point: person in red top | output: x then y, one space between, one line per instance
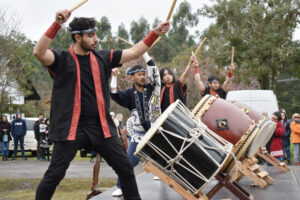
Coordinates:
276 145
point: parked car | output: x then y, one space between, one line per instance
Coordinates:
30 143
260 100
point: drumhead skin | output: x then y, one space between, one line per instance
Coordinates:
252 113
266 129
183 149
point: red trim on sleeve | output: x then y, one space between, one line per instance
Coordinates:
77 99
99 95
111 56
171 94
51 71
162 93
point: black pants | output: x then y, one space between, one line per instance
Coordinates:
89 135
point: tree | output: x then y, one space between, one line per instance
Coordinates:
139 29
261 32
122 33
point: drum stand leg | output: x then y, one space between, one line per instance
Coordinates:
232 186
263 153
250 168
149 167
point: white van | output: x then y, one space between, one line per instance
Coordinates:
260 100
30 143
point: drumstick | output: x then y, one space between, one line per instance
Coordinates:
75 7
232 56
168 18
127 42
48 101
200 46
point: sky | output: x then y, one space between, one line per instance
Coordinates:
37 15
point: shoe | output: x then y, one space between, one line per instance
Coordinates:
91 161
6 158
156 178
24 158
297 163
117 193
3 158
14 159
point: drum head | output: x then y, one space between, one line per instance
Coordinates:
154 128
266 130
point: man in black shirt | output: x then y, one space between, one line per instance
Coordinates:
213 86
81 99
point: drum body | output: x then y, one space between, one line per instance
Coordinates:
228 121
184 148
253 114
266 127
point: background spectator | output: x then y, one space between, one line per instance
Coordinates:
18 131
295 129
286 138
5 137
275 143
37 135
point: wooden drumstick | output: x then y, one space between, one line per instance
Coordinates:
200 46
168 18
232 56
75 7
127 42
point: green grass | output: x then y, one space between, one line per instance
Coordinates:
77 157
24 189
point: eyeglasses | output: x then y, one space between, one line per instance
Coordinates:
296 117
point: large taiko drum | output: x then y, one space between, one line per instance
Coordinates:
184 148
266 127
229 122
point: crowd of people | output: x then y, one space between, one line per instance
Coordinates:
287 131
16 131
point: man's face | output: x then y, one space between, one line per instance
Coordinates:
41 117
88 41
19 116
139 78
214 85
167 77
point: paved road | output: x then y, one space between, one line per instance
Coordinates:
36 169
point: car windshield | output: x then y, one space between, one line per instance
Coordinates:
29 124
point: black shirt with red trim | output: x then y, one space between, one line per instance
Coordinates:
221 93
64 73
179 92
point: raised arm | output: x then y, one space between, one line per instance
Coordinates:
228 79
143 46
199 83
153 74
41 51
192 63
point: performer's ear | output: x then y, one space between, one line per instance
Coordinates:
78 38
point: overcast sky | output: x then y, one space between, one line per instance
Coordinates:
37 15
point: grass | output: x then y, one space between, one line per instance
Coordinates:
77 157
24 189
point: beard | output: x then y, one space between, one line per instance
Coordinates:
85 47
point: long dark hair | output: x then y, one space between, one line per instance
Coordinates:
285 117
278 115
162 71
